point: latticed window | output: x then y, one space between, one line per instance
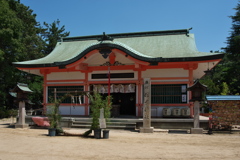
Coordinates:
169 94
62 90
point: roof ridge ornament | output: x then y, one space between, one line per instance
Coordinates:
105 37
116 63
105 52
187 34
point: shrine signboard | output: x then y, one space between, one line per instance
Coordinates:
147 107
102 120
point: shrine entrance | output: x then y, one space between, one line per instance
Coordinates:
126 102
123 98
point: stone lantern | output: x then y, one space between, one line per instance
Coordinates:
198 91
22 91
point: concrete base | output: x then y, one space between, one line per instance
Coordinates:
66 122
21 125
196 131
146 130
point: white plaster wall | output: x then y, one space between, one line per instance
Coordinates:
77 110
199 72
159 73
33 71
65 110
154 111
65 76
95 60
123 59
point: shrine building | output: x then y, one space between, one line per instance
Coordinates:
93 63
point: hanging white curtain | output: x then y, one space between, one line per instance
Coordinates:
95 88
121 88
112 88
132 88
115 88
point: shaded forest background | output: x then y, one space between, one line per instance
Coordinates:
23 38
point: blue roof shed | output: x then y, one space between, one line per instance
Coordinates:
223 97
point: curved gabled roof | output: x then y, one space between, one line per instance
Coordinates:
152 47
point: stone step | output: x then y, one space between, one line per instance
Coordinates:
178 131
110 119
108 123
108 126
121 127
112 125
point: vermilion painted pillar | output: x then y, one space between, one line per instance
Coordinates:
86 88
44 93
190 84
139 85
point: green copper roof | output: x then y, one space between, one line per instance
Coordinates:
23 87
157 46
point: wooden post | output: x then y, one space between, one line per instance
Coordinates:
109 81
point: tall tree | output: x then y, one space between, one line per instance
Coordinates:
215 81
22 38
53 33
233 54
19 40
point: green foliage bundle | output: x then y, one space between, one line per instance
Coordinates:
98 102
54 115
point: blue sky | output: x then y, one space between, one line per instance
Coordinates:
209 18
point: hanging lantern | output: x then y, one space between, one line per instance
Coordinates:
208 72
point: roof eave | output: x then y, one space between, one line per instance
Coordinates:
152 61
